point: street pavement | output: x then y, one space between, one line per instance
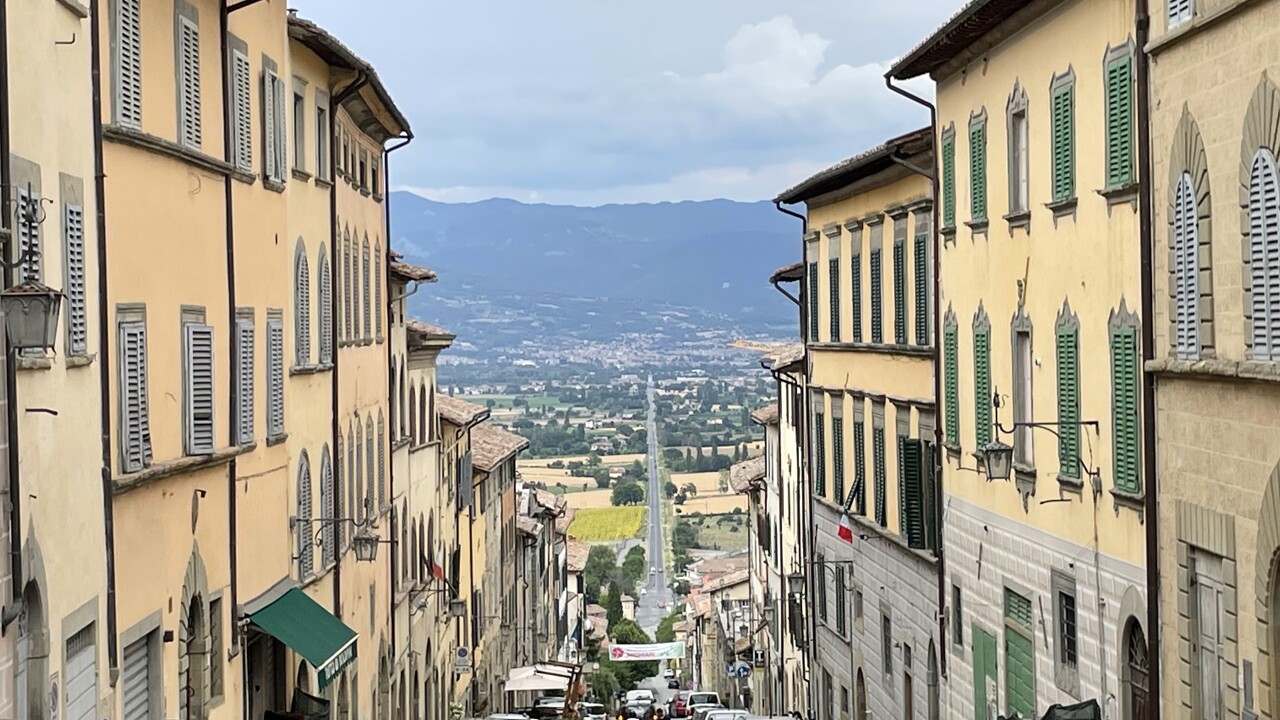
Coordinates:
660 690
648 614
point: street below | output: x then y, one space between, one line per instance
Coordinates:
656 589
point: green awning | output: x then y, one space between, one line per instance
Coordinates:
311 631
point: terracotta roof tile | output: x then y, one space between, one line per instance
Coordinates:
576 555
864 164
529 526
743 474
491 445
788 273
412 272
767 415
460 412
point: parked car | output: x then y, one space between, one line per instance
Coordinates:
640 695
509 716
669 673
673 684
592 711
704 698
696 710
636 709
725 715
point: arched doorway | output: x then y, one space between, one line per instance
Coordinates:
192 663
303 681
33 655
416 696
344 700
860 698
1136 671
934 698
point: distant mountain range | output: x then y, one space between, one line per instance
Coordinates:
511 273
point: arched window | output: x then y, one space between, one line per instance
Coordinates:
1186 271
403 403
1136 673
353 509
378 270
1264 255
421 561
382 461
404 543
347 334
935 702
301 306
413 417
324 296
414 550
305 558
371 475
358 473
366 289
327 510
423 419
431 411
395 397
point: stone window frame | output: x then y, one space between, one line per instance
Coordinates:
1019 215
947 139
1187 158
1211 532
1069 468
854 227
1064 205
1260 131
832 234
1024 473
1065 676
1127 192
886 642
978 223
151 630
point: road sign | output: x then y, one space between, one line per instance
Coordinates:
462 661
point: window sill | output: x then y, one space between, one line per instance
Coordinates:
1062 208
952 450
1217 368
1120 195
1133 501
398 444
885 348
325 183
300 174
978 227
1070 484
79 361
364 192
305 369
377 197
158 471
275 186
1020 219
249 446
76 8
245 176
1024 480
39 362
273 440
378 339
168 148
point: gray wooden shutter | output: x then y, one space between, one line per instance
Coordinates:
325 298
371 472
128 63
368 324
242 78
135 431
189 79
302 310
135 679
382 462
77 319
269 124
199 388
327 510
275 377
1186 272
306 558
29 245
282 142
347 332
244 380
377 291
1264 256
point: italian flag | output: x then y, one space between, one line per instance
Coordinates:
846 528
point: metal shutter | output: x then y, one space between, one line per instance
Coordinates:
306 558
833 281
1063 116
1068 352
275 377
189 83
77 318
855 301
127 59
244 380
302 309
135 681
325 298
877 298
1264 256
242 80
82 676
1120 122
1186 271
135 432
199 388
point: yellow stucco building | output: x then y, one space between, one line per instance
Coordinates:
1040 297
867 313
1215 137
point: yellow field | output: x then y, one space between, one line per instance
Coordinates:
600 524
713 504
708 483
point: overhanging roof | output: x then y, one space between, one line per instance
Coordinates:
864 164
789 273
966 31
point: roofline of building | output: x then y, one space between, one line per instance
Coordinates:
863 165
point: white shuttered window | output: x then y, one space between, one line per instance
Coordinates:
1180 11
327 509
275 376
135 680
1186 271
324 296
189 82
243 124
1264 255
377 290
301 308
73 256
367 289
126 62
244 380
135 422
273 111
306 558
198 386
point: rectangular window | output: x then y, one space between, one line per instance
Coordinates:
957 617
1020 664
833 281
364 169
813 301
322 139
198 386
837 452
857 606
1018 161
275 374
1124 408
244 377
126 62
1205 598
951 383
878 450
1024 453
299 129
948 181
1120 122
273 123
1180 11
841 609
1068 401
1064 141
820 582
859 500
135 422
73 257
215 648
978 170
242 111
886 643
900 290
923 274
375 177
30 248
820 453
915 476
138 684
877 298
1065 620
982 387
855 299
189 80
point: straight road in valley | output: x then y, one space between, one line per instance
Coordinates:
648 614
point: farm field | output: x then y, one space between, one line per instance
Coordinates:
722 532
713 504
708 483
604 460
607 524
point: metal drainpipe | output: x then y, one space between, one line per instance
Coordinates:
336 414
10 374
937 374
1142 26
104 336
237 634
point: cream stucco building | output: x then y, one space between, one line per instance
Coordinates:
1040 296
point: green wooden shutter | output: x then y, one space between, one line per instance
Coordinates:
913 493
949 183
951 380
1020 667
813 302
930 497
837 455
1068 402
878 449
1120 122
877 299
860 467
922 289
984 674
900 293
820 455
834 280
978 171
855 301
820 580
982 387
1064 181
1124 407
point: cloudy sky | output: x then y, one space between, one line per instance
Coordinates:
589 102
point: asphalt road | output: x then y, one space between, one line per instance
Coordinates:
648 614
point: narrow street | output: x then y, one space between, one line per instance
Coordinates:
648 614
